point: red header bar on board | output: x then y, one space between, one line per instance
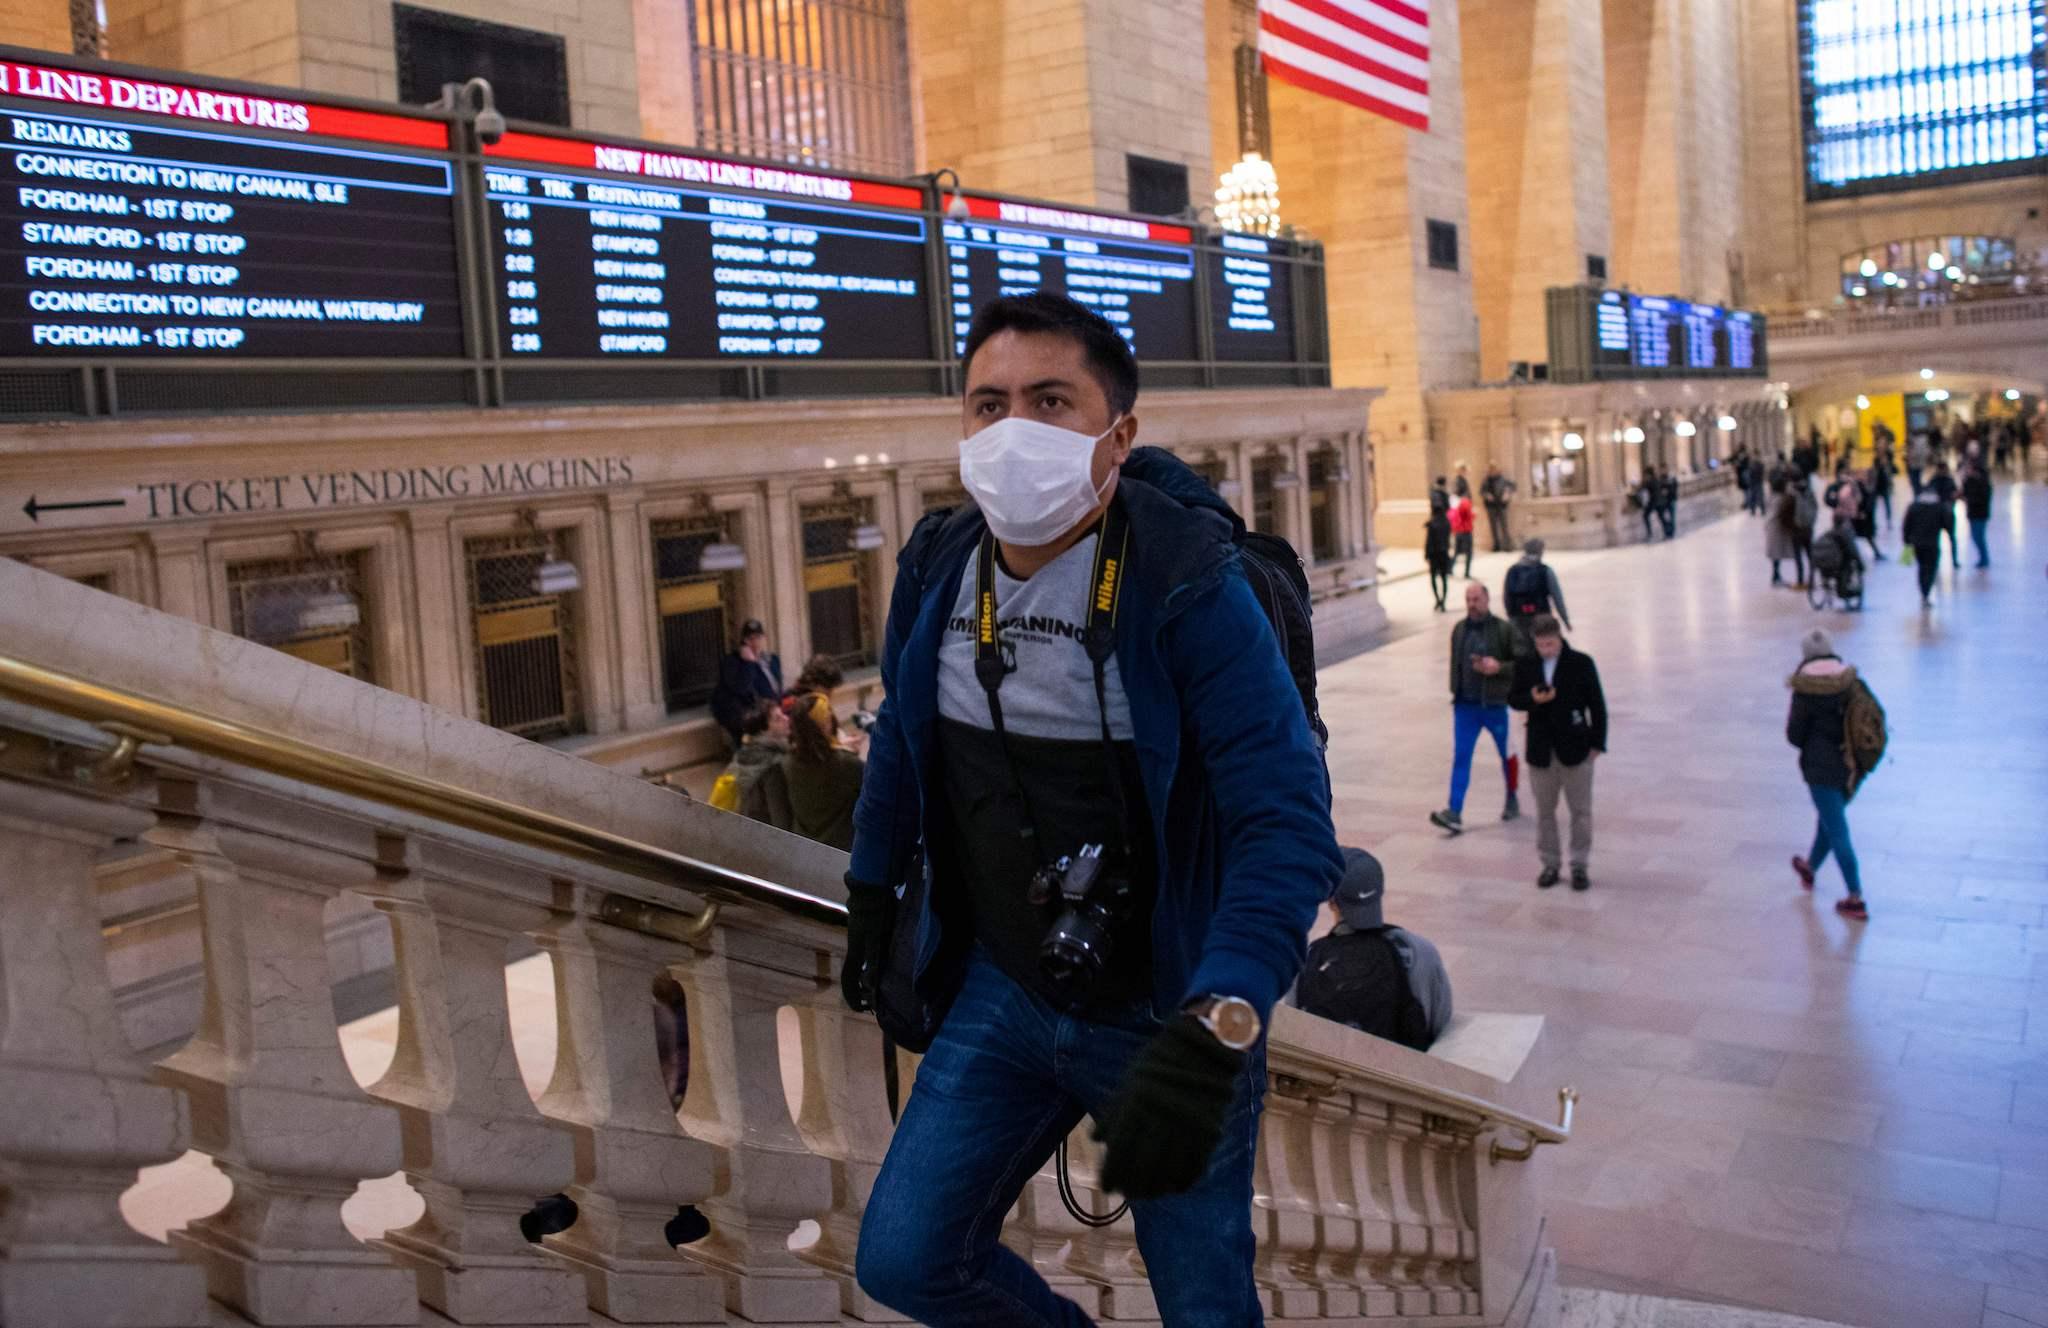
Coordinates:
684 168
1046 216
83 87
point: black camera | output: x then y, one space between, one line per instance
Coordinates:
1093 900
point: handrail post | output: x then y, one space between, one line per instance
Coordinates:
83 1114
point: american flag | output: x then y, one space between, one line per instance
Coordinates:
1370 53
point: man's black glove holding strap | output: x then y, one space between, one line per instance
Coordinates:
1166 1121
870 921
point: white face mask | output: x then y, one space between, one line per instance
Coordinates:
1033 482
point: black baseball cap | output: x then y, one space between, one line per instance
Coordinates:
1359 892
752 627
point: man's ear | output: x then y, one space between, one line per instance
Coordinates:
1123 438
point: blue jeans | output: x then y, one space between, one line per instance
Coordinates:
1831 834
1466 722
1977 532
1007 1078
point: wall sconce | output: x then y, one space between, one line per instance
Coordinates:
722 556
867 538
1685 428
1286 479
1574 442
1632 434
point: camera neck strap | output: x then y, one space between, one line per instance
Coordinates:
1098 637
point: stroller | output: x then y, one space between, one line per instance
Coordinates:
1837 570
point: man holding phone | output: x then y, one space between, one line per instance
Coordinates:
1559 689
1484 649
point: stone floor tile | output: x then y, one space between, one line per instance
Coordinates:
2030 1107
2023 1201
1761 1108
1645 1249
1988 1252
1764 1209
2025 1306
1835 1079
1912 1180
2004 1144
1840 1289
1947 1053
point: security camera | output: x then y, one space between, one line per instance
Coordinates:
490 125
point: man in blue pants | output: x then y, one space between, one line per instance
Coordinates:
1483 653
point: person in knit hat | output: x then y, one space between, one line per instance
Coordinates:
1821 688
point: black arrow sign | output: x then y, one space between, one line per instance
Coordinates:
35 509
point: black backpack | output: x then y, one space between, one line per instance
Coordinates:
1279 581
1357 978
1527 590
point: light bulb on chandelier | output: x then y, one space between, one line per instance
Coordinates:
1248 197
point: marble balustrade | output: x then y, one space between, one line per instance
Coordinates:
1376 1199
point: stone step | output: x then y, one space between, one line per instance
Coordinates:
1582 1307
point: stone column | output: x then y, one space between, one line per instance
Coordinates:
84 1114
182 584
272 1099
476 1148
790 626
633 605
444 611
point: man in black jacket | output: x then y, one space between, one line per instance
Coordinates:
746 677
1559 688
1498 491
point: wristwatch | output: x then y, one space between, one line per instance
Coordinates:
1231 1020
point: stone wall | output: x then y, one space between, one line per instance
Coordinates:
43 24
257 40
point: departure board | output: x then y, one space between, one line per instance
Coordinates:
646 261
1744 342
1612 336
1251 299
1137 273
1603 334
1656 332
172 232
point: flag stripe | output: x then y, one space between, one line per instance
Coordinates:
1340 28
1403 21
1288 73
1277 49
1349 55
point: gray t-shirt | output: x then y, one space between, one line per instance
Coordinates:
1050 690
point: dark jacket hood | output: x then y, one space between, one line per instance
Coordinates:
1181 482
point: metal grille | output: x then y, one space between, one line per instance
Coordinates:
939 500
97 581
32 392
698 609
837 583
1322 508
525 642
1265 498
821 82
288 604
165 393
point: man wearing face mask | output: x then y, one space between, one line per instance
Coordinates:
1092 838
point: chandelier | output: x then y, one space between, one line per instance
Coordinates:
1248 197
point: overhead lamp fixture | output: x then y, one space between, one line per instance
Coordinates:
1248 197
867 538
1859 290
722 556
1726 424
1342 474
956 202
1862 402
329 611
1574 442
2012 394
1955 274
1936 261
1286 479
556 576
1926 374
1868 267
1632 434
1228 489
1685 428
1937 394
1891 278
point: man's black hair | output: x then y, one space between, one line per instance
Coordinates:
1108 354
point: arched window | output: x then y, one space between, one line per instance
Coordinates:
1905 93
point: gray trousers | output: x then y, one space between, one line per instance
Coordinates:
1576 783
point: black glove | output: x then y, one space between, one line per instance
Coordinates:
1165 1122
870 920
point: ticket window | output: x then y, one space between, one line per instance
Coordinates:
698 609
1324 504
1557 469
839 583
311 607
525 637
1266 496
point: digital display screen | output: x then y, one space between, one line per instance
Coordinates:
1251 300
645 262
1741 340
1138 274
120 237
1705 342
1612 333
1656 332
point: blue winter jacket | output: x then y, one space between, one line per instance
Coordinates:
1233 778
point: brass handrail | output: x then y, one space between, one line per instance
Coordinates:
277 754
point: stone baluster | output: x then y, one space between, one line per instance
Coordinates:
634 1164
1283 1213
1445 1158
1039 1230
1387 1239
476 1148
844 1118
1106 1256
272 1099
737 988
1337 1261
1423 1243
84 1114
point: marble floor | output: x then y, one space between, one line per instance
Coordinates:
1780 1108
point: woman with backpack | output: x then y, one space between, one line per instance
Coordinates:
1825 693
1436 552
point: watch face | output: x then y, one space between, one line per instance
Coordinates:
1235 1022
